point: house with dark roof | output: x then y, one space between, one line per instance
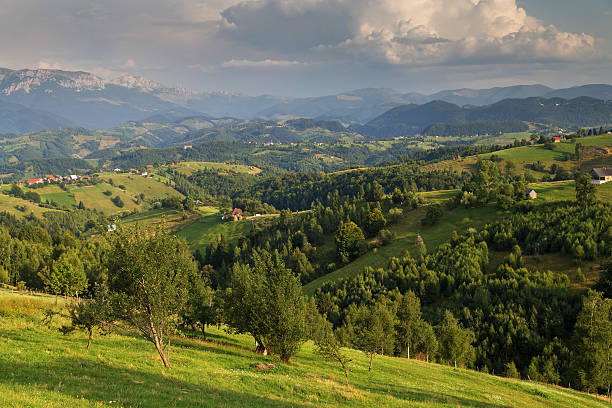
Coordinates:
531 194
601 175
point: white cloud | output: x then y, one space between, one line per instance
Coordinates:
267 63
404 31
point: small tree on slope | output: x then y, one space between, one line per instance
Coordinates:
149 274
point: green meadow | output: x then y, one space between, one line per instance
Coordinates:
40 367
210 226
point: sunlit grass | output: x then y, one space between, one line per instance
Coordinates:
39 367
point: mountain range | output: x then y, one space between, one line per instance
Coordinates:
33 100
412 118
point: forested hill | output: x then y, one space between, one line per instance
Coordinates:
412 119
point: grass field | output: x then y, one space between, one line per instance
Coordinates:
9 204
187 168
210 226
39 367
502 139
406 231
92 196
520 156
566 190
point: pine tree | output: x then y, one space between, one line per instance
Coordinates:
593 342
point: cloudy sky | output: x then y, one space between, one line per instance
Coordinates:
313 47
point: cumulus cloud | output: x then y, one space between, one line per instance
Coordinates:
404 32
267 63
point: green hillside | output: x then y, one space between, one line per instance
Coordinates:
136 192
189 167
40 367
596 152
210 226
20 207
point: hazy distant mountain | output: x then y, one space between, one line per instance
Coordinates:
353 106
411 119
480 97
61 98
15 118
598 91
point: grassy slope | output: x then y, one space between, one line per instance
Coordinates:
207 228
459 220
40 367
566 190
8 203
531 154
189 168
94 197
407 230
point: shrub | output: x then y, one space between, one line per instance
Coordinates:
511 371
4 276
386 236
118 201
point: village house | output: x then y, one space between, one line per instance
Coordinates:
531 194
237 214
187 147
37 180
601 175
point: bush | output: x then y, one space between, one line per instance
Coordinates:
4 276
579 275
433 214
107 193
511 371
395 214
118 201
386 236
172 202
32 196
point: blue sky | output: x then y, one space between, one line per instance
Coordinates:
314 47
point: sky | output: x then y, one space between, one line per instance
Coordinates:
315 47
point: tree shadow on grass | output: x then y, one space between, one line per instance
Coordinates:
100 383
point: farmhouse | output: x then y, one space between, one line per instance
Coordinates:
531 194
37 180
237 214
601 175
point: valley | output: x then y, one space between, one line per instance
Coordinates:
307 236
